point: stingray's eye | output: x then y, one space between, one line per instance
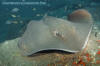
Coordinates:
57 34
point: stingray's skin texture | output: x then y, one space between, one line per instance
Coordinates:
54 33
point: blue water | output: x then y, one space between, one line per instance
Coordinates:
52 8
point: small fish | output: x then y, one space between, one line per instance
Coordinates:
15 22
34 9
14 16
15 10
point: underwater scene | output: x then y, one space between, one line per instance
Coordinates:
49 32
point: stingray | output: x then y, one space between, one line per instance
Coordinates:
52 33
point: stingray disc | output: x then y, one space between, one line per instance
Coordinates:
54 33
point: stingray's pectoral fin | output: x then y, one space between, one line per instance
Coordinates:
82 21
